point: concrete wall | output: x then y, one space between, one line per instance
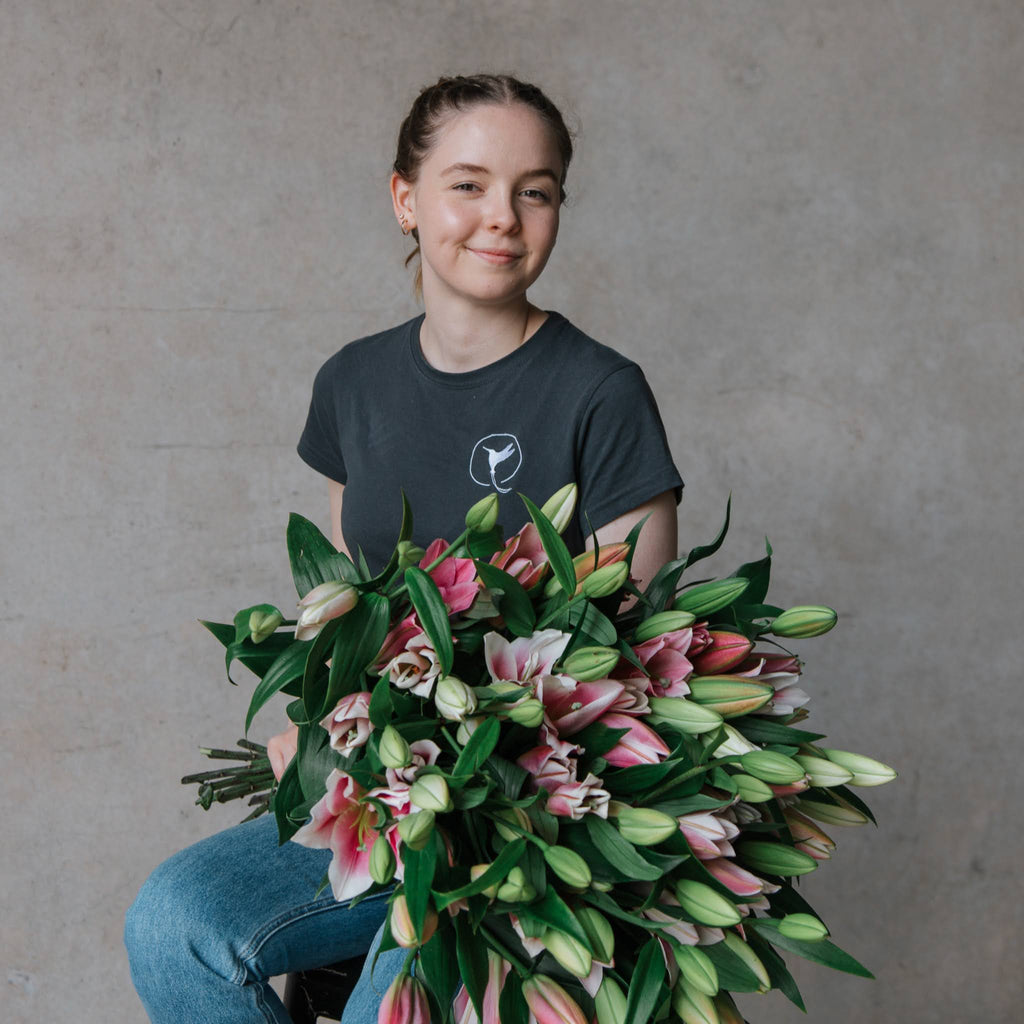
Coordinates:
803 218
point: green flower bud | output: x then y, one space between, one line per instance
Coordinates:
509 691
705 905
805 927
803 621
706 598
515 888
865 771
698 971
606 580
514 815
528 713
662 622
768 766
599 933
823 772
467 728
601 886
409 554
832 814
416 829
610 1002
262 624
570 867
589 663
430 793
560 506
453 699
476 871
382 861
393 750
644 826
734 743
750 960
569 952
770 858
752 790
693 1007
685 715
483 516
730 696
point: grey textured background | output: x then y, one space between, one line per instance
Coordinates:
804 219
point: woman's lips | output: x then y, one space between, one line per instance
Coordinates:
500 257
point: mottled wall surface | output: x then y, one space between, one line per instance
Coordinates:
803 218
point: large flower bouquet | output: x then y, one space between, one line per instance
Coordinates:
591 802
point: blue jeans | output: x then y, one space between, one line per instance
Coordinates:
213 923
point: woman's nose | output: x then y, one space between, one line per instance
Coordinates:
502 214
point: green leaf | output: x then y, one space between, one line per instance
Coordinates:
480 747
596 628
440 969
433 615
598 738
698 554
381 704
404 533
555 913
762 730
619 851
313 557
472 958
221 630
733 973
417 880
361 636
506 860
287 667
512 1008
554 547
314 675
758 573
287 797
854 801
510 775
509 597
778 973
645 985
316 761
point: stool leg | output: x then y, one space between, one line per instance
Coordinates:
297 1001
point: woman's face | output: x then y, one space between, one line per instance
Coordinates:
485 204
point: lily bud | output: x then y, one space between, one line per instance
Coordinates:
865 771
728 1013
610 1002
697 970
805 927
514 815
430 793
405 1002
803 621
509 691
401 924
730 696
409 554
662 622
706 598
725 652
685 715
394 750
771 858
483 516
528 713
570 867
382 861
262 624
823 772
751 790
599 933
589 663
515 888
467 728
323 603
476 871
550 1003
606 580
807 836
569 952
832 814
416 829
705 905
560 506
734 743
644 826
453 699
768 766
750 960
693 1007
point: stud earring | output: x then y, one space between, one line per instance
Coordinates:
405 226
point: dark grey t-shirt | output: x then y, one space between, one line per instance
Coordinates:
561 407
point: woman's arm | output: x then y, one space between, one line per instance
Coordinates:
657 542
281 748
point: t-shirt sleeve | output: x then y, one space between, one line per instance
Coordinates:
320 443
623 454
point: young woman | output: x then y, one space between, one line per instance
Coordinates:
483 392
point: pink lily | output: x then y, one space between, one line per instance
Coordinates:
551 764
737 879
574 799
666 663
396 640
550 1003
340 823
405 1002
416 668
497 971
571 705
523 659
349 723
523 557
455 577
723 653
708 834
640 745
323 603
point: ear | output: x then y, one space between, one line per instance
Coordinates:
402 200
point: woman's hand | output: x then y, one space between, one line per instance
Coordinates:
281 749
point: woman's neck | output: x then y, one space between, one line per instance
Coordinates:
458 340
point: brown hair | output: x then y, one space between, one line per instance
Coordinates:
436 103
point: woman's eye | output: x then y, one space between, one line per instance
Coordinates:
464 186
535 193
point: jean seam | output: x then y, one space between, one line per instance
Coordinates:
255 945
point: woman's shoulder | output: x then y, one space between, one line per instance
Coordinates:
590 358
368 354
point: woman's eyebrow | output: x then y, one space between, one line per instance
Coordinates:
461 168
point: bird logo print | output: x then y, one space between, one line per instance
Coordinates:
495 461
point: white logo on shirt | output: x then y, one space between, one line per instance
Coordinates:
495 460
